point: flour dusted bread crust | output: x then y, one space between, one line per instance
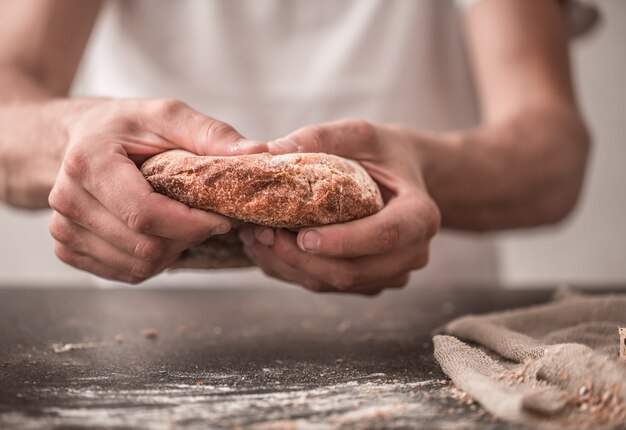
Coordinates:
287 191
290 190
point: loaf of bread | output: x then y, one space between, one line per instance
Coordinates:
287 191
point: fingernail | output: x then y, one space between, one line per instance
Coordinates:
266 236
246 235
282 146
220 229
249 146
310 241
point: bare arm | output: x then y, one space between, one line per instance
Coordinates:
522 166
41 43
81 155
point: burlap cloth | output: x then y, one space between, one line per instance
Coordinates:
552 365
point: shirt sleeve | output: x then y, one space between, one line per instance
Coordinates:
582 16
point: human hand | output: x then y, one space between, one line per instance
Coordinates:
363 256
107 219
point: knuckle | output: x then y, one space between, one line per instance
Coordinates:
216 130
389 236
63 203
150 248
339 243
142 269
168 108
56 198
372 293
421 260
346 279
401 282
268 271
137 219
428 219
364 130
317 136
288 256
434 220
61 230
314 285
131 279
340 246
76 163
64 254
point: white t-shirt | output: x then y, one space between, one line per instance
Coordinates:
268 67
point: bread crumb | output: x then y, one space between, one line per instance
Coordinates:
599 405
460 395
150 333
65 347
344 326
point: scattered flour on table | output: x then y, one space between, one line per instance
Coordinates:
159 406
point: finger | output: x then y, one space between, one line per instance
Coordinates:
91 265
188 129
406 219
349 138
75 204
275 268
377 287
84 242
113 179
344 274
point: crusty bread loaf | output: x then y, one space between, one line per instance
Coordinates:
288 191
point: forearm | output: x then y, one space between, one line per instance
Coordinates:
33 136
522 172
41 43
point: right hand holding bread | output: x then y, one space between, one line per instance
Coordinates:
106 218
363 256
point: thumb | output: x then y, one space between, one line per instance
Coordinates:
351 138
188 129
215 137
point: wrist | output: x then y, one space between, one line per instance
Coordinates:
428 152
440 156
30 155
66 117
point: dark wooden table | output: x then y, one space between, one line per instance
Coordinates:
242 358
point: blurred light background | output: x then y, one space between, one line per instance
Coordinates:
588 248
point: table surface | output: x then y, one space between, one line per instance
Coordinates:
239 358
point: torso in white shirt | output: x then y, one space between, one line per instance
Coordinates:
268 67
